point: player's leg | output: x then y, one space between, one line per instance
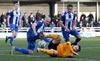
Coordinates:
65 35
14 34
47 51
42 36
77 35
22 50
46 39
31 46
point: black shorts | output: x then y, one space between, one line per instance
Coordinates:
52 46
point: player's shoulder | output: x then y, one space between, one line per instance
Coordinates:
73 13
64 13
39 22
12 11
68 43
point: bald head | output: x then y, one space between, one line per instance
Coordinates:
47 20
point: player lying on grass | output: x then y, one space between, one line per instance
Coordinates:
57 49
32 35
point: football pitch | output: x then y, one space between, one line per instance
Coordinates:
90 51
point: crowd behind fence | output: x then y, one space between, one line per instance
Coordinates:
26 20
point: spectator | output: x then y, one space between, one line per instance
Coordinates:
98 23
38 15
24 19
54 19
59 14
3 25
52 25
90 19
80 24
7 17
30 18
3 18
83 19
43 15
76 18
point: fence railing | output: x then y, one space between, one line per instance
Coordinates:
56 29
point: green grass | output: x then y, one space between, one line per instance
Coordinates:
90 51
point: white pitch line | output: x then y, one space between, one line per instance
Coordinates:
80 59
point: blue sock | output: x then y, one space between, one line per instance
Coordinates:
11 40
76 41
47 39
24 51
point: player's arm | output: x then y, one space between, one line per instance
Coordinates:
62 25
20 23
9 16
74 23
70 47
34 28
8 20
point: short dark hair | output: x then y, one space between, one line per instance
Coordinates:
69 5
79 48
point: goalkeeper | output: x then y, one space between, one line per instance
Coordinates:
57 49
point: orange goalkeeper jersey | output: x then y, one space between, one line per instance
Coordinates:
65 49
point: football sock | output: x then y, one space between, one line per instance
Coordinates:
50 52
76 41
11 40
47 39
24 51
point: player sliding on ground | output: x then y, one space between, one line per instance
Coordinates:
32 35
57 49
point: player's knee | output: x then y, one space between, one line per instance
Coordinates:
30 52
79 37
14 36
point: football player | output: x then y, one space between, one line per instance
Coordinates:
57 49
68 25
13 23
32 35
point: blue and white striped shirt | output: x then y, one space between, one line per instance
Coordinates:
68 19
14 17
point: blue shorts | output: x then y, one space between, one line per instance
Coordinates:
31 45
13 27
66 34
32 39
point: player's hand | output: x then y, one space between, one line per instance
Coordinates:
73 28
8 25
19 26
42 35
76 53
35 34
